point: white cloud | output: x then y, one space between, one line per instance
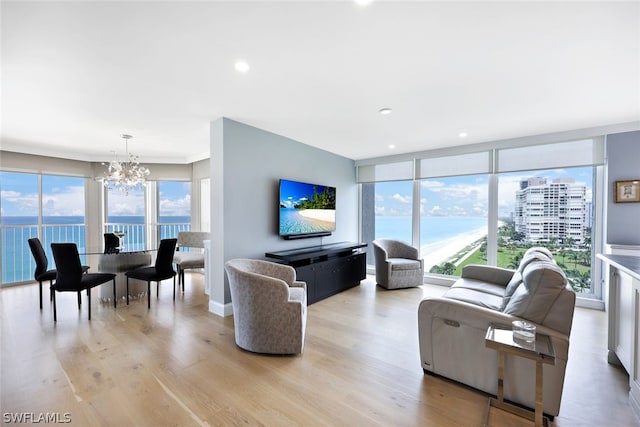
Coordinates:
122 204
67 201
176 207
379 198
9 194
402 199
20 204
429 183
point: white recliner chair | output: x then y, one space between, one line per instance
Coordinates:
452 328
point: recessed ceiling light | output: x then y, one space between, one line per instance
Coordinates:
463 134
363 2
241 66
392 146
385 111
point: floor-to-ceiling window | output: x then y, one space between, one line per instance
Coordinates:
453 222
393 210
489 206
50 207
386 203
551 208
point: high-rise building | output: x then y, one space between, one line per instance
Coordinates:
551 211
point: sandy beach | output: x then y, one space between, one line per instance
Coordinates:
439 252
327 215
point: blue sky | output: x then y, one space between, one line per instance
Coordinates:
64 196
457 196
292 192
466 195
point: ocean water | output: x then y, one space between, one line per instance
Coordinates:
433 229
17 262
18 265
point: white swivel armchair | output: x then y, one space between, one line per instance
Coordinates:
398 264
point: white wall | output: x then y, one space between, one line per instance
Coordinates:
246 166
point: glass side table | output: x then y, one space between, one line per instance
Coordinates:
500 338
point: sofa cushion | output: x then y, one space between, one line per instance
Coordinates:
479 285
541 250
542 283
531 255
475 297
511 287
404 264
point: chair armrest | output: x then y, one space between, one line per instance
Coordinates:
488 273
298 284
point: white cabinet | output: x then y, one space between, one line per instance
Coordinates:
623 312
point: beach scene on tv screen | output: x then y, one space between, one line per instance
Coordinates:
306 208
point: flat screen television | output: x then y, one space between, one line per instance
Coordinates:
306 210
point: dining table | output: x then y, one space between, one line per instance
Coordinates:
126 258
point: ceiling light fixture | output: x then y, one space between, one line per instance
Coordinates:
463 134
127 175
392 146
241 66
363 2
385 111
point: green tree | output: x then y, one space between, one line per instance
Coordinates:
447 268
324 200
514 262
575 257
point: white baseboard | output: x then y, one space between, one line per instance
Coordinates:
635 406
222 310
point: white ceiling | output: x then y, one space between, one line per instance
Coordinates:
75 76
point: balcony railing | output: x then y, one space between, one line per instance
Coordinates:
18 264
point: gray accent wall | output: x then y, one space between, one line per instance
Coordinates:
623 163
246 166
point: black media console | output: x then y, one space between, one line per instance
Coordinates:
327 269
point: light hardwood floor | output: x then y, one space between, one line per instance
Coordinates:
177 364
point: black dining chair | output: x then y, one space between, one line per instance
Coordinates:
162 270
69 277
111 243
41 273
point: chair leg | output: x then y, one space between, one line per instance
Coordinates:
79 299
88 301
149 294
182 273
174 287
53 299
114 293
157 289
127 289
40 294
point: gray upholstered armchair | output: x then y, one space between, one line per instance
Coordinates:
397 264
269 306
189 259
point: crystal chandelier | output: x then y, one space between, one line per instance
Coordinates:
127 175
